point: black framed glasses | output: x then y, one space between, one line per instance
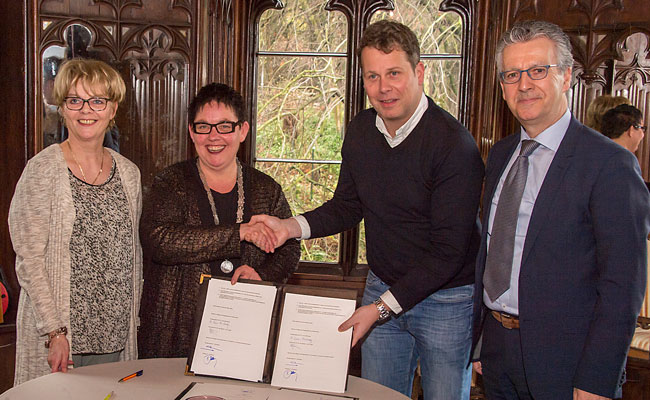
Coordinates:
223 127
642 127
77 103
536 73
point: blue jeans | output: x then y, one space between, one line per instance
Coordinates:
437 331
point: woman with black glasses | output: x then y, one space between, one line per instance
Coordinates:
74 227
195 221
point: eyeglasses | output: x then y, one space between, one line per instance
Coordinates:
642 127
536 73
95 103
223 127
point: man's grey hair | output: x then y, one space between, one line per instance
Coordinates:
526 31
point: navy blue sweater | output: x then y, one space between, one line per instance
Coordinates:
419 201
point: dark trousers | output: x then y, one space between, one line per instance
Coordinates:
504 377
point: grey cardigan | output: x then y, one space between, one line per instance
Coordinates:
41 218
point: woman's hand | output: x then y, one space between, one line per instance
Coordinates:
59 353
259 234
245 272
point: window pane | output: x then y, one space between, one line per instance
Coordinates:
303 25
362 259
438 32
441 83
306 187
300 107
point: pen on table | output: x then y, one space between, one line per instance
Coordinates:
133 375
109 396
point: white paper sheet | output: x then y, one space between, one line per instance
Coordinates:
312 354
228 392
234 330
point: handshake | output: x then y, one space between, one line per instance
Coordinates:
268 232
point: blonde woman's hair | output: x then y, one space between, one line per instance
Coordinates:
599 106
93 74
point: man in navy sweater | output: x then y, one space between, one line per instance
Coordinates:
414 174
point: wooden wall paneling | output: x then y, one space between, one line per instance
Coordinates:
7 355
632 80
13 153
153 45
234 53
490 119
160 81
223 46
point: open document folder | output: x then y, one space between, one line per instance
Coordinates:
287 336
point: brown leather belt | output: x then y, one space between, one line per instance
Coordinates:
508 321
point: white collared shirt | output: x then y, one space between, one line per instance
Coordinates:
405 130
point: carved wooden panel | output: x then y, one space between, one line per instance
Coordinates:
632 80
152 44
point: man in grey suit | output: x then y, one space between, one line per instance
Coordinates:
560 273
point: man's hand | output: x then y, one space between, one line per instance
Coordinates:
245 272
477 367
259 234
362 320
58 354
582 395
283 229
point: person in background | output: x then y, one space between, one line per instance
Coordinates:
195 221
599 106
624 125
74 221
414 174
52 126
561 271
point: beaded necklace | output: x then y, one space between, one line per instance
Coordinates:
226 265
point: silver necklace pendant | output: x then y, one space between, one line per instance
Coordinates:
226 266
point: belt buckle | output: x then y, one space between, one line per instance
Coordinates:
507 321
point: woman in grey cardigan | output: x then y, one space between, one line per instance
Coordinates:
74 227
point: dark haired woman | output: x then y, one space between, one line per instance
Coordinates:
194 222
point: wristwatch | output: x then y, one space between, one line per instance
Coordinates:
384 313
61 331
